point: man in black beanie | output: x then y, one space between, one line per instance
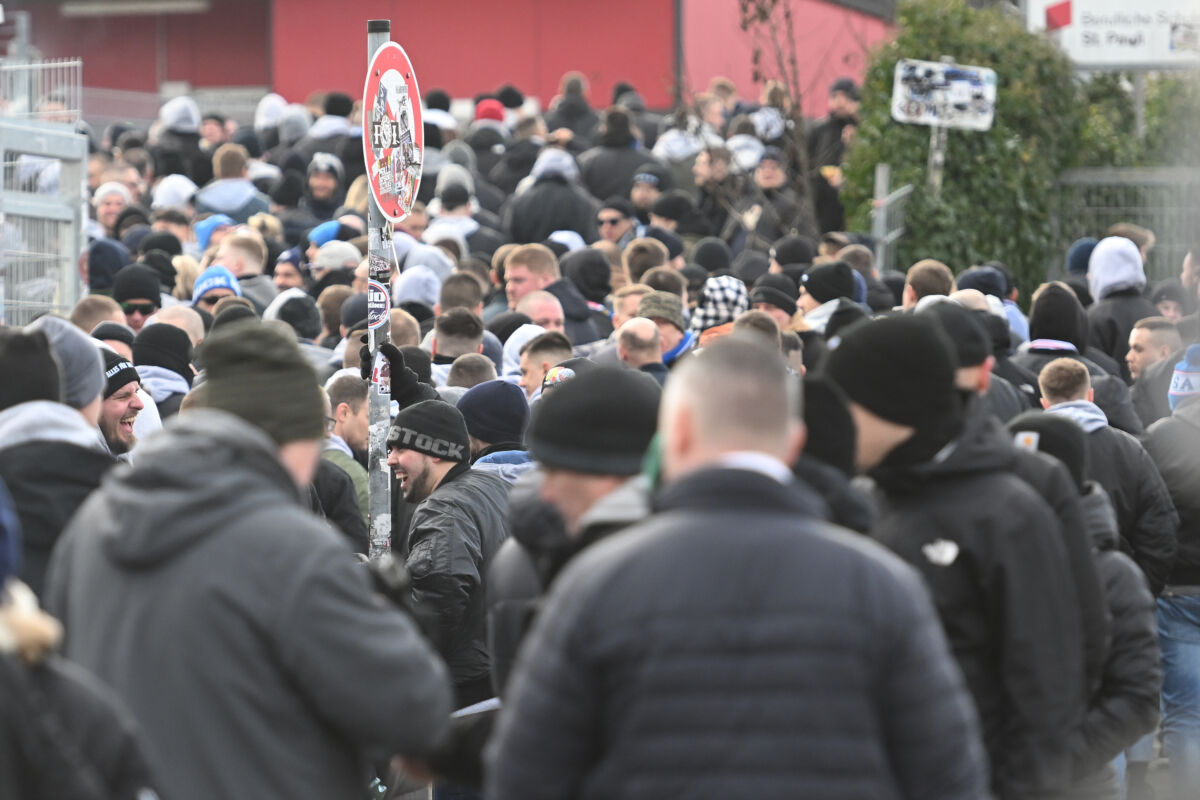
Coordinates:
973 350
657 623
826 290
205 543
163 355
121 403
988 545
458 525
138 290
776 295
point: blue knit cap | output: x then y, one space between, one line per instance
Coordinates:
213 278
496 412
205 227
1185 383
324 233
1079 254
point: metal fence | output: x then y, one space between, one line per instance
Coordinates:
48 91
1166 200
42 171
887 217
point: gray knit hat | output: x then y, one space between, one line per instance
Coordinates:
79 364
259 374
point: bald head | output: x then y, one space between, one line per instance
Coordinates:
735 395
184 318
639 343
544 309
973 299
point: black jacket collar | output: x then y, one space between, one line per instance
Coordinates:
722 489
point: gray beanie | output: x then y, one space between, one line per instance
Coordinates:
79 364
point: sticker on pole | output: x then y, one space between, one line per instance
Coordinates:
378 304
393 140
944 95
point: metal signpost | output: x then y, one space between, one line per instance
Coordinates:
392 149
943 95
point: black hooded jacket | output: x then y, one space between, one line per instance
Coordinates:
515 165
1174 444
552 204
990 550
574 113
1126 705
577 314
607 169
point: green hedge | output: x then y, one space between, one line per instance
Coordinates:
997 195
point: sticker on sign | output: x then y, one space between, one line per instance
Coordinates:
378 304
946 95
393 139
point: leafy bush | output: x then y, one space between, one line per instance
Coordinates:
998 192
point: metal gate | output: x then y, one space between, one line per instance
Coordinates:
1164 199
887 218
42 190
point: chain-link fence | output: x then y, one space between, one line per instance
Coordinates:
887 218
48 91
1166 200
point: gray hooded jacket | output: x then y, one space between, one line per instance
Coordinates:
236 626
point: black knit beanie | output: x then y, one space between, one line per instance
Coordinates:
338 104
31 369
434 428
161 240
831 435
504 324
160 262
600 423
258 373
1057 314
495 412
136 282
162 345
1054 435
118 372
900 368
777 290
793 250
712 254
115 331
830 281
972 344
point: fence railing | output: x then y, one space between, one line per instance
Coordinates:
42 171
1164 199
887 217
46 90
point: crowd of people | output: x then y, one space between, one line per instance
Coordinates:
687 497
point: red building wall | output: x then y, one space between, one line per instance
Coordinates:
470 47
228 46
831 42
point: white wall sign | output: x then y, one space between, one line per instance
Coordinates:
945 95
1151 34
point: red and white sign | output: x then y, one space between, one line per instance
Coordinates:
393 139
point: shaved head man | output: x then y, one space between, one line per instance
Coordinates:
184 318
544 309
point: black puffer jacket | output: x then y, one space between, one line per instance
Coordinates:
515 164
1174 445
1146 516
815 669
455 533
989 548
1126 706
1111 393
63 734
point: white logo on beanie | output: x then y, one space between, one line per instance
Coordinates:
941 552
424 443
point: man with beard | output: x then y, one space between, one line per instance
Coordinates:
459 523
121 403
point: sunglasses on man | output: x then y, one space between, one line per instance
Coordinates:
145 309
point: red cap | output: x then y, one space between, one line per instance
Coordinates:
490 109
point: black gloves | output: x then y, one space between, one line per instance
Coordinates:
406 388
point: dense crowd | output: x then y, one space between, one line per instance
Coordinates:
687 497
